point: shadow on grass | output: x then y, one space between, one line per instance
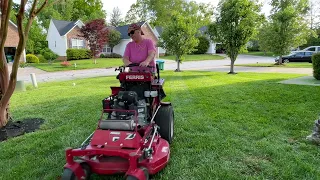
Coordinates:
252 129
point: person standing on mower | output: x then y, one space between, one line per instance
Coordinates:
140 50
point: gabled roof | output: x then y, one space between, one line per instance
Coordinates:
159 29
64 27
124 30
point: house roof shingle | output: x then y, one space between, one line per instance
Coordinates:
124 30
63 26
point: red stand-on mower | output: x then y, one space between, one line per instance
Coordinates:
133 133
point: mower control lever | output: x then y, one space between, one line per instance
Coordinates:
148 151
137 64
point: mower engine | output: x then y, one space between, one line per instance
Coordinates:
128 100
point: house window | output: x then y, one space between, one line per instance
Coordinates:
106 49
77 43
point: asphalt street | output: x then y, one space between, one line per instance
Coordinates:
208 65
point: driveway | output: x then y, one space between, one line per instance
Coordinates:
208 65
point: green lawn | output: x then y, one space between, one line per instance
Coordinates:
81 64
286 65
258 53
196 57
244 126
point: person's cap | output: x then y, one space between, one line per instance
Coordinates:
135 26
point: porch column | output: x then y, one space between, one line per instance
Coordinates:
24 55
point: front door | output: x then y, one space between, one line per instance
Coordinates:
10 52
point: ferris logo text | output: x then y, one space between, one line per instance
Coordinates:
135 77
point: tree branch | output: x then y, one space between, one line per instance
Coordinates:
43 6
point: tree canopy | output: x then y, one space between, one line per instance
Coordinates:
158 12
286 27
235 25
179 36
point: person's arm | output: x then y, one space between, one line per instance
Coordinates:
126 61
151 54
126 56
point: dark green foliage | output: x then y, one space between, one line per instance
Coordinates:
316 65
48 54
253 45
112 55
203 45
74 54
32 58
41 58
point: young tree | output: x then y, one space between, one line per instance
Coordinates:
116 17
7 84
114 37
287 28
235 25
179 36
96 32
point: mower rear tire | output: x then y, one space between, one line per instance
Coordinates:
165 120
146 174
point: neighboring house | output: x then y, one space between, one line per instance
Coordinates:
125 39
11 44
203 29
63 35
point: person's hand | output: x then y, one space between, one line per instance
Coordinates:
144 64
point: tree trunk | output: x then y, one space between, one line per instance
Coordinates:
8 85
232 67
280 60
178 64
4 73
4 82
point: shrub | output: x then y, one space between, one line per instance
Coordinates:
32 58
75 54
102 56
316 65
112 55
65 64
41 58
48 54
203 45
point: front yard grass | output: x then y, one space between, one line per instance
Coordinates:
285 65
244 126
196 57
81 64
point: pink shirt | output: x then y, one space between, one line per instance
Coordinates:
137 53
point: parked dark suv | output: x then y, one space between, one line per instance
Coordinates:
297 56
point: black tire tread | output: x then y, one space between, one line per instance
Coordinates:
163 119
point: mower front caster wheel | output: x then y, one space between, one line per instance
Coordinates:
68 174
146 174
